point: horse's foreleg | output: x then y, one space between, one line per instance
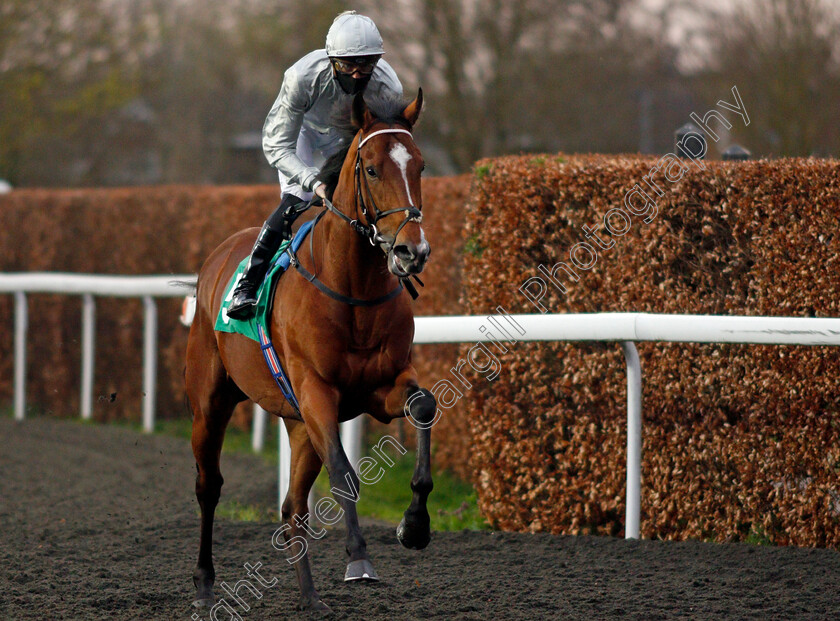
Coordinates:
413 531
319 403
305 466
418 405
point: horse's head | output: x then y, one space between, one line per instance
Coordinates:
387 185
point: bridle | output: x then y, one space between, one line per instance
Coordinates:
367 229
412 214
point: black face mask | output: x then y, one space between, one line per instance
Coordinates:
349 84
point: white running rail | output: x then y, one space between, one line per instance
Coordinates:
627 328
623 328
88 286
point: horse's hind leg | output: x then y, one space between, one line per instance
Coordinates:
212 398
305 466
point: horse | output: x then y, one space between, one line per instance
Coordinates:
345 345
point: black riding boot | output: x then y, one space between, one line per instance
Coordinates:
244 300
277 228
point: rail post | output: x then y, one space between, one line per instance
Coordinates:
284 465
258 430
149 362
88 348
351 439
21 327
632 516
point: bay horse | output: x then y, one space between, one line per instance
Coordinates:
345 346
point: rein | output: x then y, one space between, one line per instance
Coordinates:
367 230
335 295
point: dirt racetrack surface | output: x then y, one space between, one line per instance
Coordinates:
101 523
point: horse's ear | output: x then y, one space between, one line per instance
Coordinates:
360 116
412 110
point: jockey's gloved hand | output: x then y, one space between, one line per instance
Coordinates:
319 195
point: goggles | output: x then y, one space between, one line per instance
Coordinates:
362 64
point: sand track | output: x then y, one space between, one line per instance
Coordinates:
98 522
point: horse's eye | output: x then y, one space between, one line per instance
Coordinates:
371 171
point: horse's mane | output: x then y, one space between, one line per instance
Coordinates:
332 170
386 109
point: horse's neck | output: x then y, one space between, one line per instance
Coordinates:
351 263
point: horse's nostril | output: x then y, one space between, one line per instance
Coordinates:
404 252
424 251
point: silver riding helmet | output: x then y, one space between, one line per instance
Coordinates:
352 36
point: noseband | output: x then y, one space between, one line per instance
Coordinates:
367 229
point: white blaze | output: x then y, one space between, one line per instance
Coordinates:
401 157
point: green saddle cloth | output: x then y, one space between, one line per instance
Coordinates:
249 327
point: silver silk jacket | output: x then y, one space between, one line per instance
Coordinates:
312 103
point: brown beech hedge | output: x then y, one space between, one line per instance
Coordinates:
740 442
167 230
158 230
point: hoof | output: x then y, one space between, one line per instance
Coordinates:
360 570
204 596
204 603
414 535
314 606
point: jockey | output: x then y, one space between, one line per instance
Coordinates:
309 122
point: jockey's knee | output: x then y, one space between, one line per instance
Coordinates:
421 409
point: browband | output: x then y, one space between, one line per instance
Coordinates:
393 130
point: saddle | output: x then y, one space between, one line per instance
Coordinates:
265 294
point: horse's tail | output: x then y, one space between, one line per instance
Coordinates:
188 305
189 285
